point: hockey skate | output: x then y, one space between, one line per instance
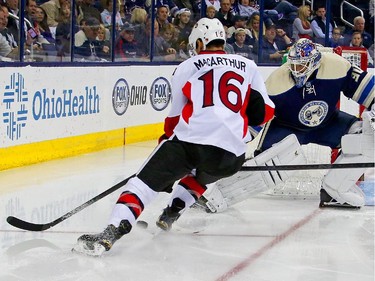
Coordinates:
97 244
326 200
170 214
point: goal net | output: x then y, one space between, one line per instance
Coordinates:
306 183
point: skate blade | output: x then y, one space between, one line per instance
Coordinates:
337 205
95 250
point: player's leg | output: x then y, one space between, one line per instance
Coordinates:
155 176
339 187
214 164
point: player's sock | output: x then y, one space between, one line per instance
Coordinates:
96 244
170 214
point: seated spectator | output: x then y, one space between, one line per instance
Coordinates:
215 3
62 36
170 4
86 45
184 25
225 15
337 39
253 26
245 9
162 14
169 33
162 51
239 46
53 10
285 9
106 14
40 24
301 24
210 12
127 48
356 41
4 14
318 25
359 26
86 9
274 45
138 20
102 33
239 22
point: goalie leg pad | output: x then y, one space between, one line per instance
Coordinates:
341 183
244 184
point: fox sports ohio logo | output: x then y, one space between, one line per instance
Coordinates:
313 113
160 93
120 96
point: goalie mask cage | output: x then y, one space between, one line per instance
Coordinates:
307 183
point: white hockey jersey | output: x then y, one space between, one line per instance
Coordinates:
213 96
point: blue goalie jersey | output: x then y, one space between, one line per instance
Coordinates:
311 112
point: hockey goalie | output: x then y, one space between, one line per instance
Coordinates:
306 91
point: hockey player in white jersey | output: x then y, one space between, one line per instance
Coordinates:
215 96
306 91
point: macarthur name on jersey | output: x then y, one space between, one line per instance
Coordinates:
216 60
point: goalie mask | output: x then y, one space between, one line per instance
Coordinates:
303 59
206 30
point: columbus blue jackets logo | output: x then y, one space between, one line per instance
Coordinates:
313 113
120 96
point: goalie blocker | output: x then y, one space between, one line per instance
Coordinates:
244 184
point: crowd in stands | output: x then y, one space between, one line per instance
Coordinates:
48 27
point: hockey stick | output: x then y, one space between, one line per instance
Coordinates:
44 226
308 167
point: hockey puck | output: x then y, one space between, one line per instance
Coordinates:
142 224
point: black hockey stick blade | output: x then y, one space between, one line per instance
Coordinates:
308 167
16 222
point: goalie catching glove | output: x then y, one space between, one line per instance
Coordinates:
244 184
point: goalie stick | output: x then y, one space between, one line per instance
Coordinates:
308 167
16 222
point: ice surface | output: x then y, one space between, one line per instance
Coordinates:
261 239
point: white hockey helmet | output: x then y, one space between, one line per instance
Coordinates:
206 30
303 59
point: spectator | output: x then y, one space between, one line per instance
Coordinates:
162 14
126 48
4 14
5 47
102 37
275 44
41 26
86 9
30 9
86 45
245 9
170 4
210 12
301 24
13 24
53 11
162 50
356 41
225 15
337 39
239 22
62 36
253 26
359 26
285 9
106 14
138 20
215 3
183 24
239 46
318 25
